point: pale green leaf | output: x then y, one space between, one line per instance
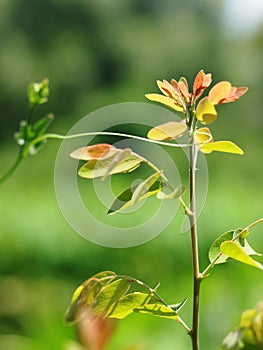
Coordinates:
167 101
98 168
215 247
178 307
108 297
167 131
221 146
129 302
177 193
123 201
236 252
157 310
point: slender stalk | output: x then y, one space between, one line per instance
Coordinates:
12 169
194 241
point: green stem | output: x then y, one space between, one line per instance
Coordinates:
12 169
194 241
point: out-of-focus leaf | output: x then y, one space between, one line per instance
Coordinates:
219 92
167 101
236 252
85 294
98 151
205 111
221 146
123 201
158 310
249 333
38 93
177 193
167 131
233 341
98 168
129 302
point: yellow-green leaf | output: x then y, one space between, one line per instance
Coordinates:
144 187
157 310
124 201
98 168
109 296
235 251
129 302
167 101
221 146
167 131
205 111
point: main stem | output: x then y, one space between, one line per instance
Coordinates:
194 239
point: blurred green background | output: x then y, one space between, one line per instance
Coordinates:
97 53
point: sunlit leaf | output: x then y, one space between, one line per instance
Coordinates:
129 302
205 111
221 146
167 131
123 201
215 247
236 252
167 101
85 294
219 92
203 135
177 193
98 151
233 341
201 82
158 310
98 168
108 297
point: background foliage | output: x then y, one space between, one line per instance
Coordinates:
105 52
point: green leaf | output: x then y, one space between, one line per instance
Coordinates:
98 168
167 131
38 93
178 307
157 310
43 124
142 189
236 252
221 146
215 247
124 200
108 297
177 193
129 302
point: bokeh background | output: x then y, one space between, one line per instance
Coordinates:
97 53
